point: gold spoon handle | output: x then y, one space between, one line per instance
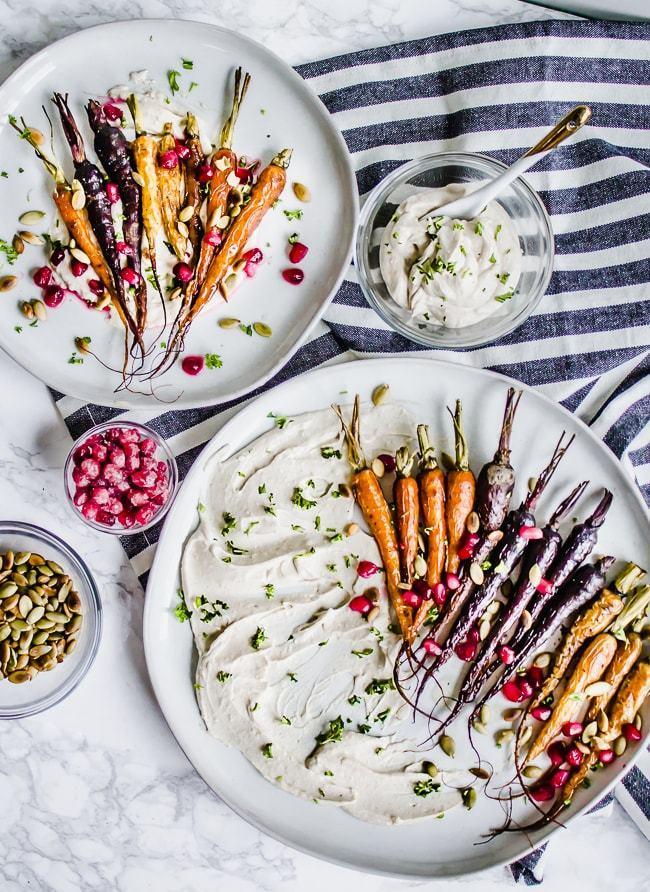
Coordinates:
570 124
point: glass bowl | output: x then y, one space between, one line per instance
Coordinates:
162 453
524 208
49 688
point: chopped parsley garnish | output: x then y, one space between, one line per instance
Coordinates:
280 420
293 215
188 65
478 229
267 750
269 590
323 643
18 328
354 699
299 500
208 610
172 79
261 489
363 729
247 329
380 686
486 565
235 549
8 250
332 734
383 715
503 278
317 522
213 361
250 526
223 677
492 258
362 653
502 298
258 638
180 611
192 85
425 787
297 528
328 773
292 676
337 537
200 507
229 523
497 231
285 720
375 631
293 238
331 568
330 452
74 359
458 225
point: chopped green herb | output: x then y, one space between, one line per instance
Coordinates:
503 278
180 611
497 231
457 225
323 643
354 699
192 86
380 686
188 65
74 359
285 720
300 501
258 638
250 526
502 298
269 590
330 452
261 488
280 420
267 750
172 79
363 729
293 238
383 715
235 549
297 528
292 676
223 677
425 787
208 610
18 328
247 329
478 229
213 361
229 523
9 251
293 215
333 734
492 258
362 653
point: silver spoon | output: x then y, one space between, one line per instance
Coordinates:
470 206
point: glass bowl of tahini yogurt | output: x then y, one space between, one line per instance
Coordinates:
451 283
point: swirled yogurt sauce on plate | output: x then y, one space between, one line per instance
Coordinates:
452 273
287 672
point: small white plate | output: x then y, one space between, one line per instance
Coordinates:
279 110
435 848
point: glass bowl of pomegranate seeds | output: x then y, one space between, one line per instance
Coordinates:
120 477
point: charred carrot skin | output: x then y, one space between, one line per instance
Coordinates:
193 197
407 514
461 492
169 188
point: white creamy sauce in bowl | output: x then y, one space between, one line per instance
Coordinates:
287 672
452 273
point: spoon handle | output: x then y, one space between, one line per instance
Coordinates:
570 124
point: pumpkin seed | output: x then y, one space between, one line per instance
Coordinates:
302 192
262 329
448 745
21 661
31 238
345 490
44 624
55 616
36 560
222 222
10 603
589 731
372 615
526 619
603 721
472 523
8 282
20 676
351 529
638 721
39 310
8 560
228 284
484 629
55 568
532 772
479 727
73 601
39 650
495 536
19 625
469 798
485 713
70 646
535 575
40 637
24 605
619 745
420 566
542 660
379 394
506 588
187 213
229 322
532 483
35 614
31 218
378 468
476 573
5 632
26 309
18 244
182 228
138 178
7 589
19 579
599 743
584 749
78 202
493 608
80 255
524 737
597 688
430 768
503 736
510 715
480 773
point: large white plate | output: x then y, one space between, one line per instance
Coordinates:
433 848
279 110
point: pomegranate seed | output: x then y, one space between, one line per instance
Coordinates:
506 654
387 460
545 587
473 635
606 756
559 777
543 793
431 646
80 478
123 248
130 276
80 497
138 498
105 518
144 479
128 435
526 532
574 757
112 112
182 150
439 594
535 676
366 569
112 192
90 467
100 451
298 252
42 276
53 296
541 713
213 237
204 172
162 470
511 692
411 599
77 268
468 545
360 604
192 365
557 753
57 256
421 589
112 474
631 732
148 446
466 650
253 256
168 160
118 457
96 287
452 581
100 495
89 510
183 272
293 276
80 453
143 515
126 519
572 729
114 506
526 688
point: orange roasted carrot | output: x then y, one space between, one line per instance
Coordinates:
374 507
431 482
461 490
407 513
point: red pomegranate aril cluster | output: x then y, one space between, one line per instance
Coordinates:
360 604
43 276
252 258
365 569
541 713
630 732
77 267
192 365
118 479
53 295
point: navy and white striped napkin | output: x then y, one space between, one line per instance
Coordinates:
496 91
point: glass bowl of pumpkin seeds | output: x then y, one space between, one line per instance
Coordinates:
50 619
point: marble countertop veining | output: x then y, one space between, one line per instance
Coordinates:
95 794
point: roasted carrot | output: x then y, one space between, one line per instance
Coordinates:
407 513
374 507
627 653
461 490
431 483
595 619
193 197
145 150
591 666
170 181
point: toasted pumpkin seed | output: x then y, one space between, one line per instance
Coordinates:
5 632
35 614
532 772
620 745
302 192
525 735
526 619
78 201
430 768
18 244
378 468
351 529
262 329
535 575
503 736
26 309
379 394
476 573
472 523
80 255
603 721
19 625
584 749
469 798
532 483
187 213
510 715
55 568
229 322
24 605
36 560
480 773
542 660
21 661
20 676
7 589
138 178
70 646
638 721
182 228
420 566
31 238
372 614
485 714
589 731
484 629
597 688
30 218
448 745
479 727
8 282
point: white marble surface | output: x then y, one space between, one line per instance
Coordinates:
96 795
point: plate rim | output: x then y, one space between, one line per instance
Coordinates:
348 175
194 472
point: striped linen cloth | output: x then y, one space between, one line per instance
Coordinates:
496 91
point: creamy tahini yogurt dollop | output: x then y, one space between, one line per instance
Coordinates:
448 272
287 673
